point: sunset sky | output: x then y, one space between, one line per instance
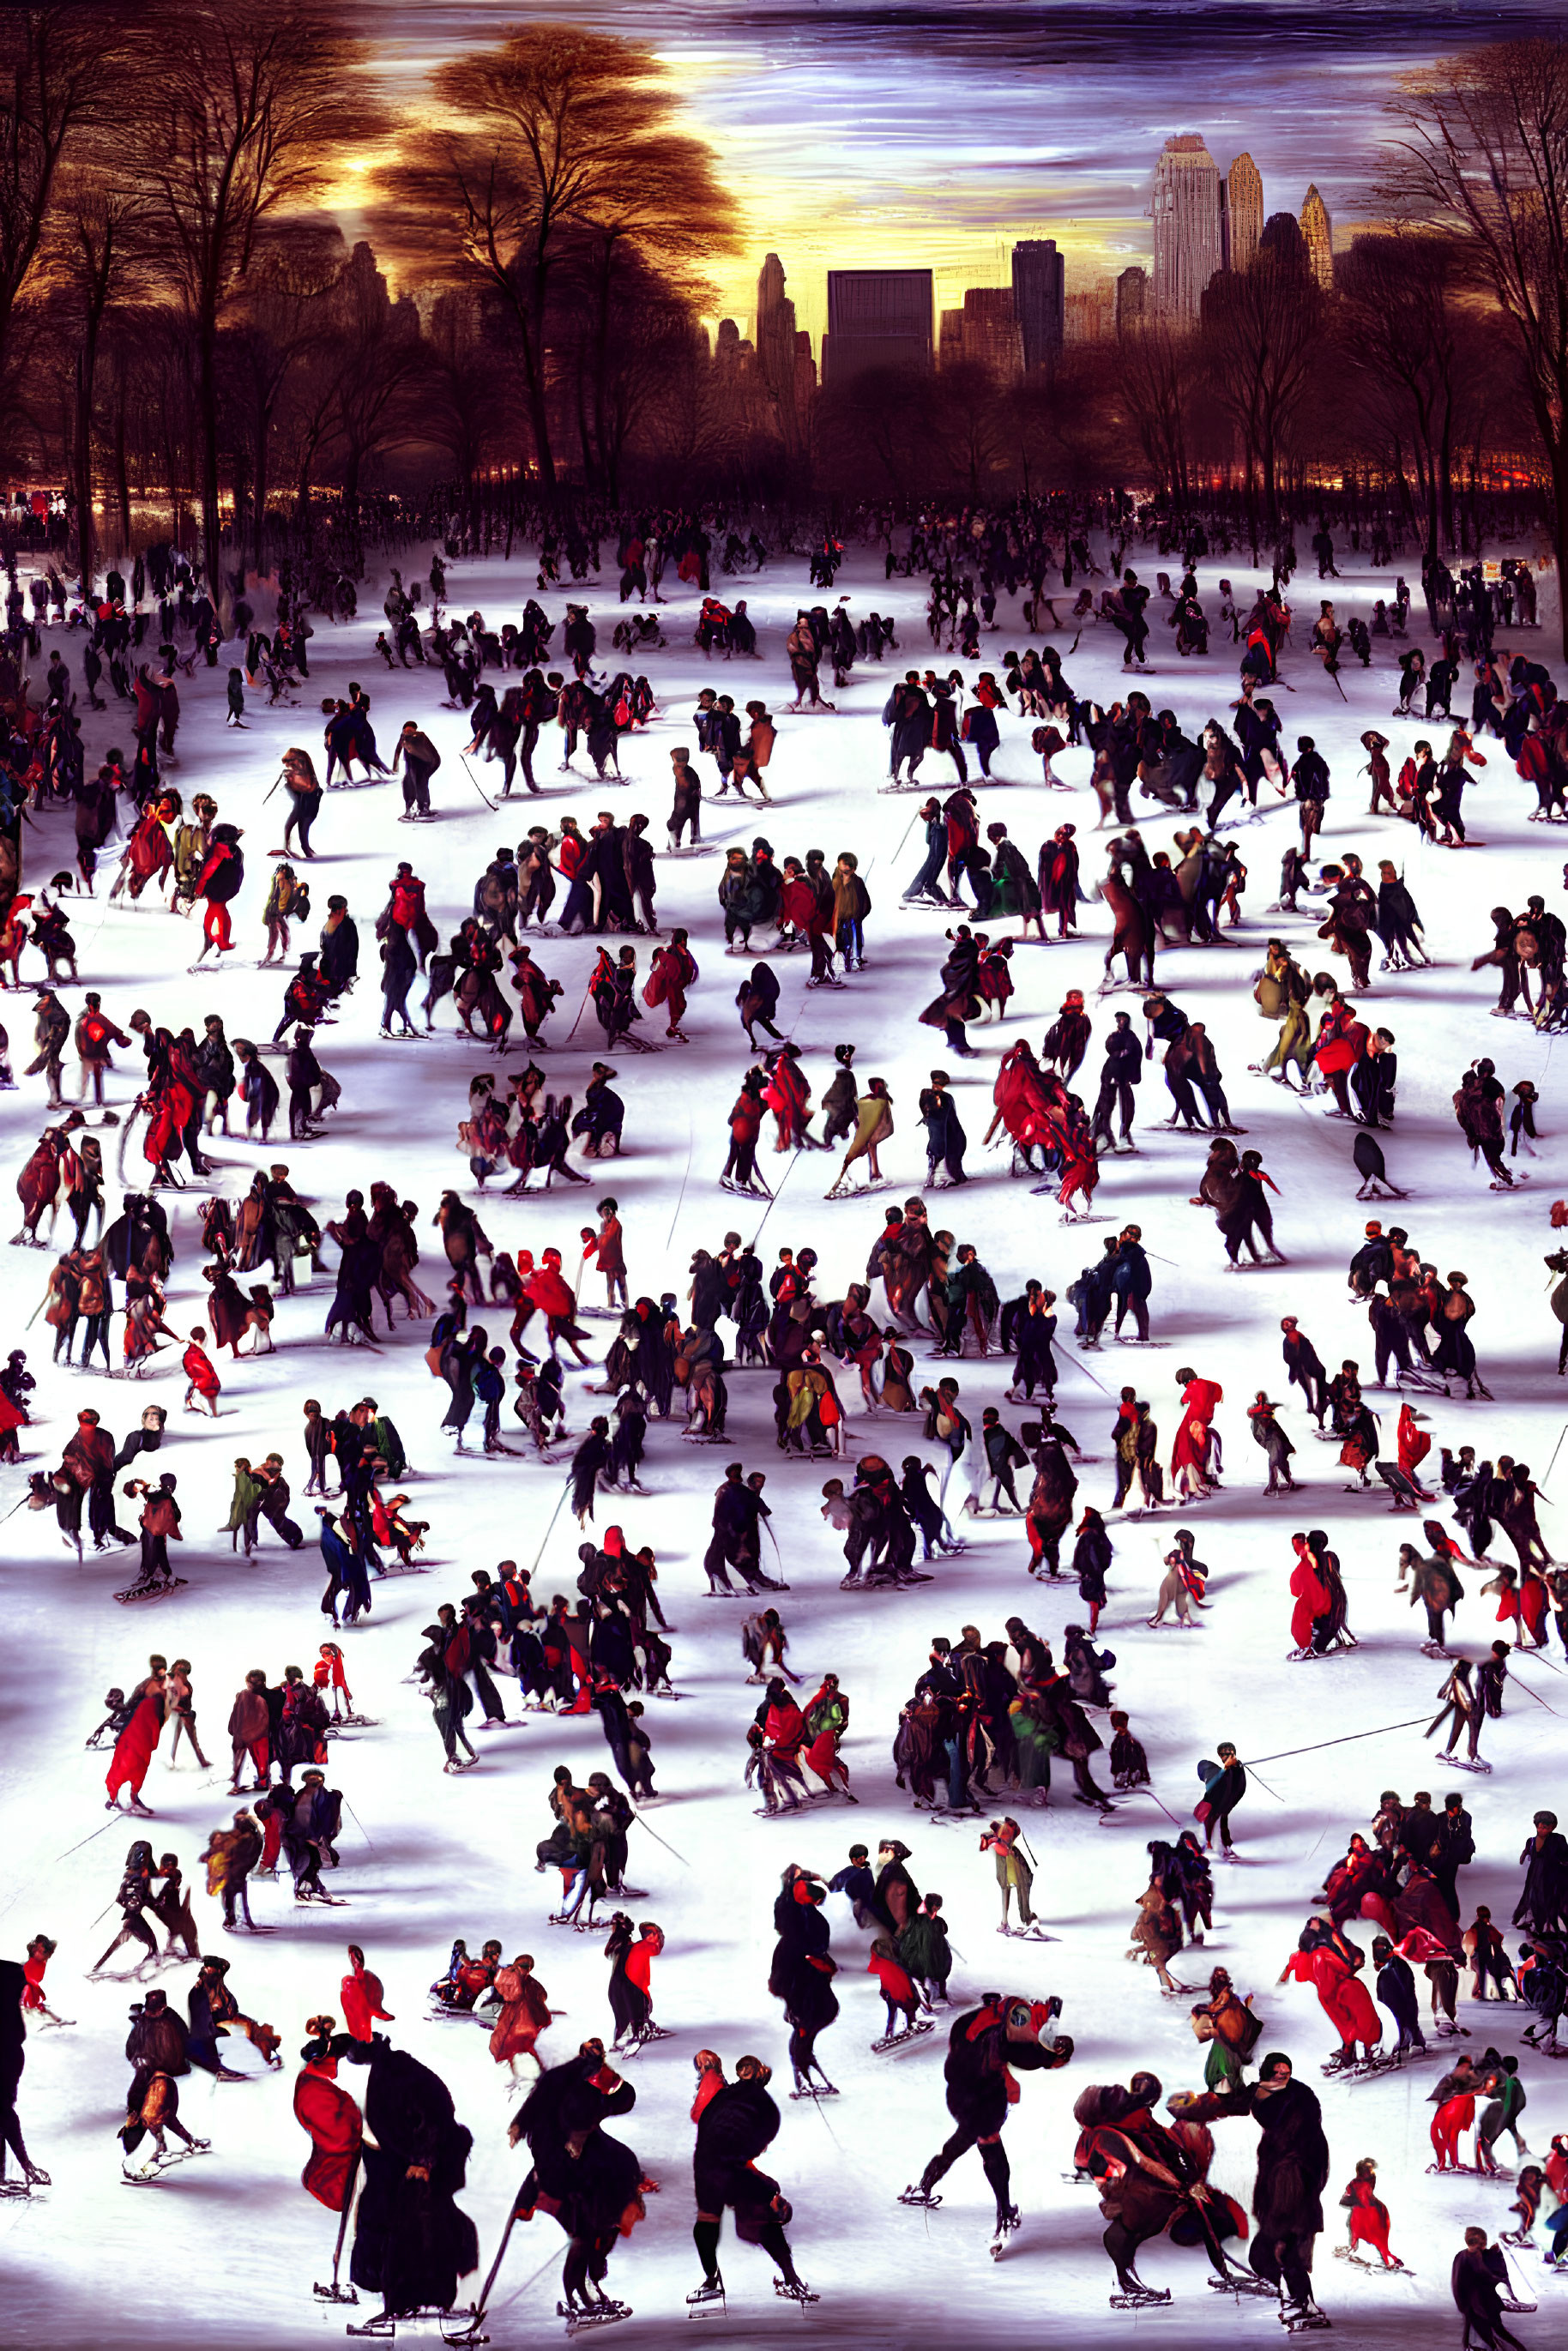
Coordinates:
868 131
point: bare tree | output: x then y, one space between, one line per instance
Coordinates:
463 408
94 262
552 135
383 358
1157 372
253 105
1397 318
1480 152
1262 337
279 319
59 66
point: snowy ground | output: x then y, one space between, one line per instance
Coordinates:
224 2253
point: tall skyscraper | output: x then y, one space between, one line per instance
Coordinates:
1092 311
776 347
1317 234
1040 291
1185 208
877 318
1242 212
1131 300
983 334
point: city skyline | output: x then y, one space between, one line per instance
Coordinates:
886 133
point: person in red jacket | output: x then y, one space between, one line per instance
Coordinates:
1414 1445
335 2125
202 1373
899 1995
709 2067
1455 2100
218 882
1310 1594
133 1749
745 1126
606 1247
547 1290
1190 1473
631 1980
1324 1959
361 1993
674 971
1368 2223
40 1951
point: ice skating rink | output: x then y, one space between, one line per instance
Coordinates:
224 2251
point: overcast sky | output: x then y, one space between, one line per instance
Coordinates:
867 132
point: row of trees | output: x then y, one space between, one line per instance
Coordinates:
180 316
177 304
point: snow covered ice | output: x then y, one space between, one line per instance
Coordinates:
225 2251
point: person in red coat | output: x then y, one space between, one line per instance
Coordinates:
1340 1044
361 1993
826 1718
1310 1594
1455 2100
336 2128
202 1373
899 1995
1368 2223
1324 1959
745 1127
133 1750
709 2067
673 973
218 882
547 1290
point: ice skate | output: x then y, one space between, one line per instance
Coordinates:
579 2316
1008 2225
794 2289
926 2197
1238 2281
708 2301
905 2039
1301 2317
1136 2295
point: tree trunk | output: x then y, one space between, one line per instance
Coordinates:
263 485
1560 534
207 426
122 475
86 552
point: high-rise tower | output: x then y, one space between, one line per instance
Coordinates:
775 347
1187 216
1243 213
1317 234
1039 298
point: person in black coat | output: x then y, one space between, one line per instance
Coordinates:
1292 2169
986 2045
587 2179
13 2039
1543 1901
339 959
946 1141
802 1973
736 2124
1396 1991
1123 1069
1479 2280
757 998
411 2244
